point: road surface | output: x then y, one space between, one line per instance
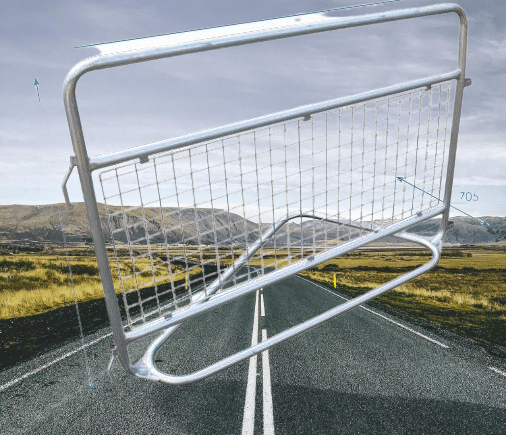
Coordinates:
366 372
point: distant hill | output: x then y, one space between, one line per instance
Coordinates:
41 224
467 230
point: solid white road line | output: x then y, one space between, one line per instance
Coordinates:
267 396
262 307
14 381
45 366
383 317
248 421
497 371
405 327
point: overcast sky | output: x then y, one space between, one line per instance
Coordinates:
142 103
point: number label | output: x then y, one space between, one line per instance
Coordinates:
468 196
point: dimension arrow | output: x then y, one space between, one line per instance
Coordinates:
482 223
36 84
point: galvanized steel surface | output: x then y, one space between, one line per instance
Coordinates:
209 39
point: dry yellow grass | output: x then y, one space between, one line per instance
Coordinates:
465 293
477 279
33 284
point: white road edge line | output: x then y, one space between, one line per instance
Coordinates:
262 307
248 421
15 381
45 366
383 317
497 371
267 396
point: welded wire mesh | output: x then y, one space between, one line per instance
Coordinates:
178 220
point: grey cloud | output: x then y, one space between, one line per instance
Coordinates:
130 106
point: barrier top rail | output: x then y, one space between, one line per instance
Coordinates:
157 47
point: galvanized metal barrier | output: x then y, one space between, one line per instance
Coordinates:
200 220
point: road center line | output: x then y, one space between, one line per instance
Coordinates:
248 421
262 307
383 317
497 371
267 391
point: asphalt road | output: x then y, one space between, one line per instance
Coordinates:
364 372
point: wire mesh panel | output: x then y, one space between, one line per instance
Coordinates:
241 206
179 220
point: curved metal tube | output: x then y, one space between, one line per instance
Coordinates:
253 249
277 275
222 279
145 367
64 184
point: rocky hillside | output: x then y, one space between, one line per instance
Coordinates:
467 230
41 224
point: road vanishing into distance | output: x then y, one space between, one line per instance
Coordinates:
365 372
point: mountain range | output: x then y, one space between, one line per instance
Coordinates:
31 223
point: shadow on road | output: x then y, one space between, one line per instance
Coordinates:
318 411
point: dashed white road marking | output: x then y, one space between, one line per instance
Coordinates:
267 396
248 421
38 369
383 317
497 371
262 307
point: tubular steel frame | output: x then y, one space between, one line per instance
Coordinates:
123 53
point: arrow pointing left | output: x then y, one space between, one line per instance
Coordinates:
36 84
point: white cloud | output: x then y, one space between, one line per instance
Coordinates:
13 135
481 159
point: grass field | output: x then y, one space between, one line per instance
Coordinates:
466 293
36 283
